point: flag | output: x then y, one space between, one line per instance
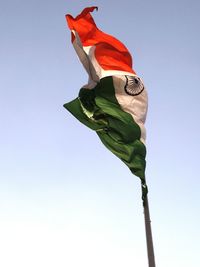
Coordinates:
114 101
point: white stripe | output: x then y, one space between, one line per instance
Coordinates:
83 57
135 105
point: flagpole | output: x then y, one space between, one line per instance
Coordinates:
149 239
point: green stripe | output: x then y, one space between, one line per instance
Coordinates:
100 111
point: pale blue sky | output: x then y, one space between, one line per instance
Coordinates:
64 199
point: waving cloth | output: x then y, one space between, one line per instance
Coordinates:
114 102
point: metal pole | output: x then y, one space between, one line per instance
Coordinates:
149 239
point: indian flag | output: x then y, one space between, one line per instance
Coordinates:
114 101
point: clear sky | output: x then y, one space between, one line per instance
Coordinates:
64 199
